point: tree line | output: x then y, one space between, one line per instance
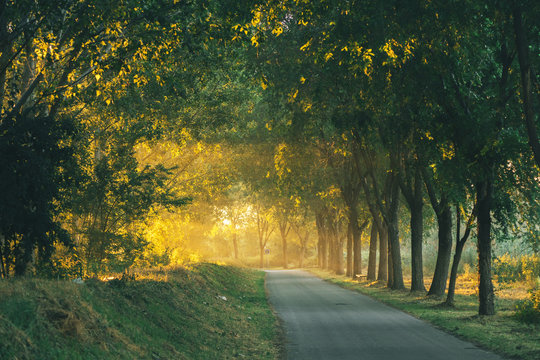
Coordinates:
358 112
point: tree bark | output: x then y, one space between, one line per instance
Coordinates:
460 244
3 273
485 289
382 274
321 244
349 250
444 252
357 245
263 232
417 267
522 47
284 229
413 195
372 260
393 235
331 244
390 281
339 255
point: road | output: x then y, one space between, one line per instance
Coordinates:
324 321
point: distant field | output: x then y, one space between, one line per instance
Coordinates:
208 312
501 333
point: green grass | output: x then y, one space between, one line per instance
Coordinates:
501 333
175 314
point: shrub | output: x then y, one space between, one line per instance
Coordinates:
507 268
528 311
511 269
530 268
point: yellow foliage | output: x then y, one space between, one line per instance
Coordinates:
256 20
328 56
306 45
508 268
306 107
292 95
277 31
387 48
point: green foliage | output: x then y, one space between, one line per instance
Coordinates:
118 193
528 311
513 268
33 172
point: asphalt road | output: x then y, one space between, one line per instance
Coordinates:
324 321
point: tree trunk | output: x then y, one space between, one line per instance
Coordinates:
485 289
339 254
3 273
372 260
382 275
390 281
284 247
444 220
349 250
453 274
417 228
332 240
302 254
284 228
324 252
417 267
522 47
460 243
322 246
235 244
357 246
393 237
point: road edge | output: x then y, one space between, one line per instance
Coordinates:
445 330
281 338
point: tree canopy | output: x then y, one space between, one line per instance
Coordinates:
131 129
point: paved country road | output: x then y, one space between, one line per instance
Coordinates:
324 321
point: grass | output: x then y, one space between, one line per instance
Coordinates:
501 333
174 314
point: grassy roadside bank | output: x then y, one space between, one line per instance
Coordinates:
501 333
208 312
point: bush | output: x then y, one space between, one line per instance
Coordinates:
530 268
511 269
528 311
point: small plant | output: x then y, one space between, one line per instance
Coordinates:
528 311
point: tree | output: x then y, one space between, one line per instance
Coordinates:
264 231
460 243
